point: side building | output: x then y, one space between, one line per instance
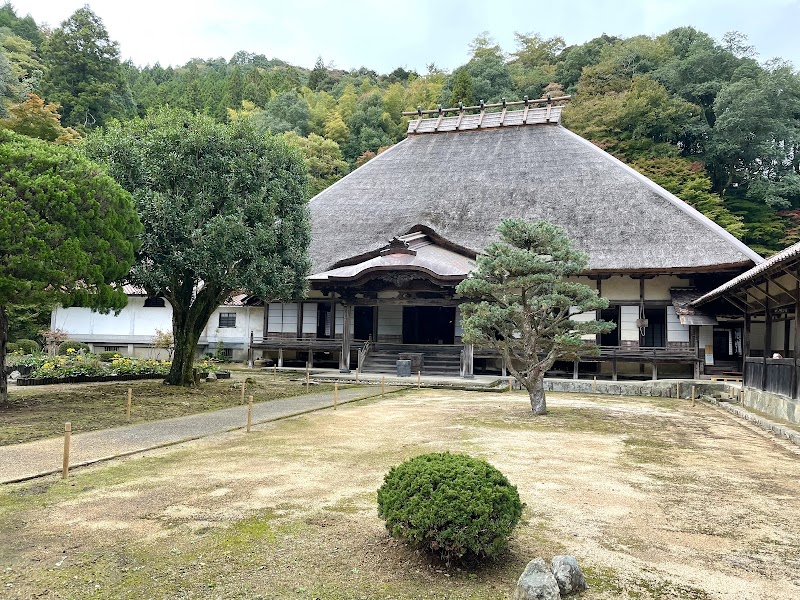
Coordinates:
392 240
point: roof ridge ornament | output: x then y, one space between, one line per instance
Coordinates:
398 246
504 114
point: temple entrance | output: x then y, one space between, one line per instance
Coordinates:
364 322
429 324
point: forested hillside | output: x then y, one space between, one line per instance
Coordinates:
702 117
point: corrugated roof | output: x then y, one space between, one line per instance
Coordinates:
462 184
774 263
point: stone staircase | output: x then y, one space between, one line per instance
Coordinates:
437 360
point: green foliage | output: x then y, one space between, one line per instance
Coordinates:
224 209
11 348
70 346
107 356
323 160
522 304
67 230
83 73
34 118
461 88
28 346
452 505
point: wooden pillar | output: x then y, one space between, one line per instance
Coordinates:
796 340
748 322
694 342
787 332
280 357
299 320
469 359
614 366
575 369
655 371
250 357
310 357
333 318
344 359
503 369
598 313
375 323
767 337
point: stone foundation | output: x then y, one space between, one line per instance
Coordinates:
772 404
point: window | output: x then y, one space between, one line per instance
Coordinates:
227 319
154 302
227 353
112 348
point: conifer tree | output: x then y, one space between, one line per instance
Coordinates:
523 306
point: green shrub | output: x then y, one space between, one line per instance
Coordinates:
28 346
108 356
11 347
63 347
453 505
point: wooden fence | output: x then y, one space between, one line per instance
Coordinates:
774 375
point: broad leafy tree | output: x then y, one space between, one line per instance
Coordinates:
84 74
523 305
224 210
67 231
35 118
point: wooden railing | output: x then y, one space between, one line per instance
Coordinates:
363 352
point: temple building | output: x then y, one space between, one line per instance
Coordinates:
391 241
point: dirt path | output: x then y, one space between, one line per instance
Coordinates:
657 499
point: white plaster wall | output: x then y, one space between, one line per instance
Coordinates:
390 320
658 287
778 332
213 333
628 315
675 331
620 288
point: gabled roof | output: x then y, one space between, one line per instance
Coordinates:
461 184
411 252
787 260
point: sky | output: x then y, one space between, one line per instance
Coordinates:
407 33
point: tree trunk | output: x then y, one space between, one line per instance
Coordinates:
3 346
536 392
187 325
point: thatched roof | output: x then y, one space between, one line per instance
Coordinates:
461 184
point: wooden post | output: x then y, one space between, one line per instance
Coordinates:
249 412
655 371
469 361
244 385
130 401
274 373
575 369
344 357
280 357
356 375
307 377
510 383
595 384
335 394
419 379
383 384
767 338
678 390
693 391
67 436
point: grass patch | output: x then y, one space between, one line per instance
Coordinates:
40 412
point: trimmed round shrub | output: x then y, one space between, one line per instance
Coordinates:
28 346
453 505
108 356
11 347
77 346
